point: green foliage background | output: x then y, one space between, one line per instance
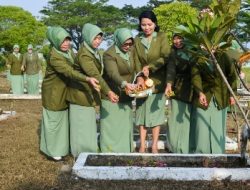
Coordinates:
171 15
73 14
19 26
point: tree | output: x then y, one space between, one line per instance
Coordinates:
243 24
200 4
19 26
73 14
173 14
244 15
156 3
211 29
134 12
210 34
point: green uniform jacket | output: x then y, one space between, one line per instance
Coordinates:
54 86
160 64
15 64
31 63
211 83
118 70
81 93
182 84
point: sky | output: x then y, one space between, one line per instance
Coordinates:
34 6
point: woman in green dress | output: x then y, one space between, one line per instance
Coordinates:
55 125
211 99
120 69
83 99
152 52
31 65
179 120
15 63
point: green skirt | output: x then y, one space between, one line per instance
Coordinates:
179 126
209 129
150 112
116 133
17 84
54 133
33 83
83 129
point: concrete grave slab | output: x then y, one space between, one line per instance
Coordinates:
82 170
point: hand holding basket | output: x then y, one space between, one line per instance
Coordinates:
144 90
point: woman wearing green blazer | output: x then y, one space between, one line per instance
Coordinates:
211 99
83 99
120 69
15 62
152 53
181 108
55 125
31 65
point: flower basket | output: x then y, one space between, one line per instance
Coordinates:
147 90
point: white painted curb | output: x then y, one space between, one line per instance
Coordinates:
163 173
19 97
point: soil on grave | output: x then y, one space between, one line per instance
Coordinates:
23 167
165 161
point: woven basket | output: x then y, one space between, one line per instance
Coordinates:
143 93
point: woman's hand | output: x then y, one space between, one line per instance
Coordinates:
94 82
203 99
8 66
22 68
129 87
145 71
231 100
113 97
168 90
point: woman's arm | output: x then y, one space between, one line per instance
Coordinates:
60 65
87 64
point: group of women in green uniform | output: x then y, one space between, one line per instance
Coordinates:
74 85
24 68
197 122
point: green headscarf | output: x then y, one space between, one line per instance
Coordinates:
121 35
16 46
30 46
56 35
89 32
16 54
